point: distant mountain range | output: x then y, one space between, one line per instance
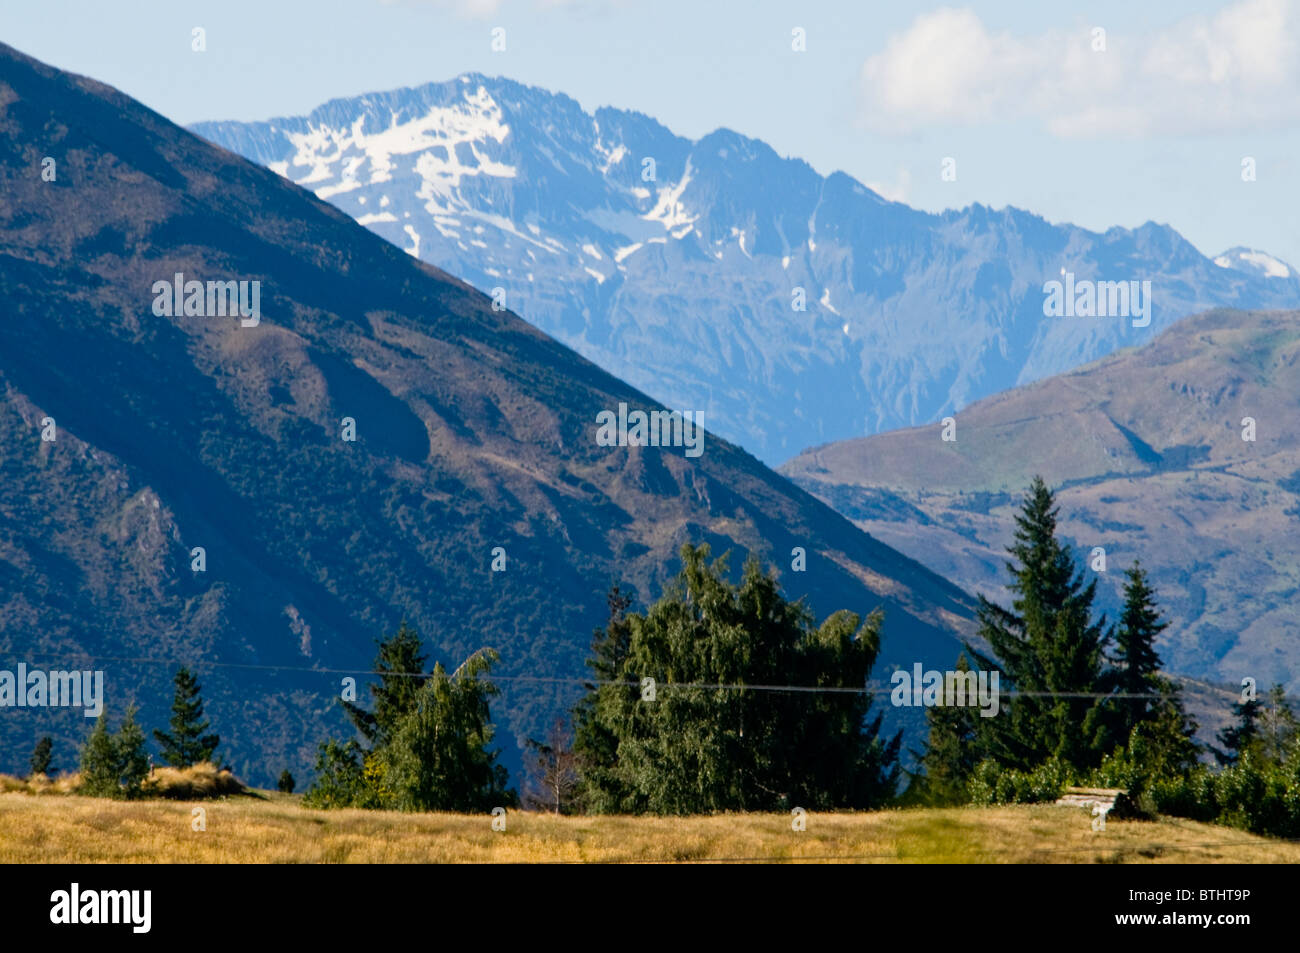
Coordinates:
1147 449
679 265
178 431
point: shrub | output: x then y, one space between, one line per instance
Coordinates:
198 781
992 784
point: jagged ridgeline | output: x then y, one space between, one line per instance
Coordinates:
178 432
795 308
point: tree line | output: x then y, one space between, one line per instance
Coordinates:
684 711
689 710
1092 707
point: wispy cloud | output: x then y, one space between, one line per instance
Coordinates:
1235 70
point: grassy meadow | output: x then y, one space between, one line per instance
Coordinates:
268 827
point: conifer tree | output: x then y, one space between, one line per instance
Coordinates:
41 755
1238 738
1048 648
132 758
1137 661
951 751
1163 743
187 743
400 665
114 765
100 768
598 716
286 783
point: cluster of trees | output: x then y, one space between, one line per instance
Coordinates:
683 715
426 741
1089 705
115 764
689 710
715 738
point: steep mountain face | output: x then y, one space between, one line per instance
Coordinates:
133 433
793 309
1156 460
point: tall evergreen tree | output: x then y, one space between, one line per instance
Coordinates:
400 665
598 714
41 755
1049 649
187 743
951 751
132 758
1138 664
1238 738
100 767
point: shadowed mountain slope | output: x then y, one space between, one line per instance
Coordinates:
474 431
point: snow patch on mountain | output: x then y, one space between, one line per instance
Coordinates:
513 187
1258 262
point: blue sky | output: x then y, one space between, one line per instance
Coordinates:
1152 127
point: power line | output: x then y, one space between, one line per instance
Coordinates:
873 687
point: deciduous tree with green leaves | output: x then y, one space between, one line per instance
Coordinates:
439 756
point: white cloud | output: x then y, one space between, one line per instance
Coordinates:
896 192
1237 69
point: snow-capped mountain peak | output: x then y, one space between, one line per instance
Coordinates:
716 275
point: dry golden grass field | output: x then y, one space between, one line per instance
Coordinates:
275 828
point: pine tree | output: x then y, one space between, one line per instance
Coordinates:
1239 738
1136 658
1163 744
187 744
285 784
400 665
41 755
951 752
100 767
1048 648
598 715
114 765
132 758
